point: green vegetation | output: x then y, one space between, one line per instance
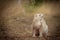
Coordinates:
30 5
37 2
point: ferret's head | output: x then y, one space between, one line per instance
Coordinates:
38 16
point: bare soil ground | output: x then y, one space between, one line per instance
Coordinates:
16 23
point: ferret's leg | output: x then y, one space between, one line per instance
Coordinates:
40 31
34 32
40 34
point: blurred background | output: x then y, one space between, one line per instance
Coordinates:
16 18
